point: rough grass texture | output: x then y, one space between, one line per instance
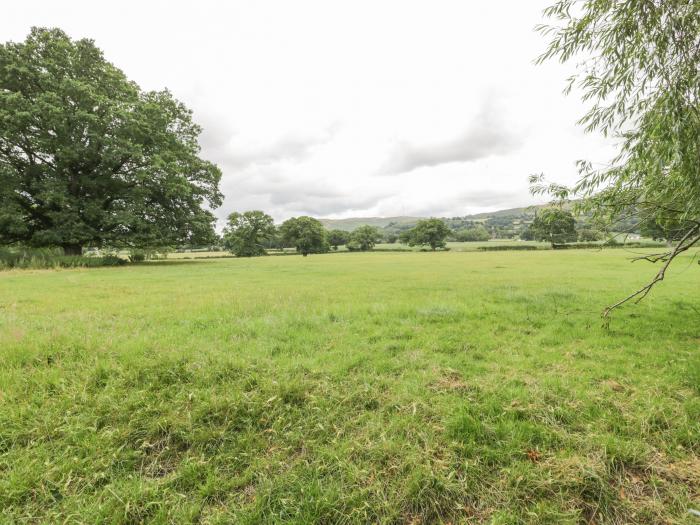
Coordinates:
351 388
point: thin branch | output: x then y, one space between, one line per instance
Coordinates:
685 243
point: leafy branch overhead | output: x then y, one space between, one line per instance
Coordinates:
639 69
89 159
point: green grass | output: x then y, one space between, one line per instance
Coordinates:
351 388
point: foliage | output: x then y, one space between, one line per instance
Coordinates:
220 391
365 237
429 232
527 234
639 67
472 234
275 240
554 225
306 234
663 230
246 233
337 238
40 258
589 235
87 158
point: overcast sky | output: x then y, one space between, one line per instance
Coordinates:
348 108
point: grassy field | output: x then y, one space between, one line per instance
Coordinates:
351 388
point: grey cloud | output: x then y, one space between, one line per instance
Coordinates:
224 146
286 148
314 199
269 188
465 203
486 135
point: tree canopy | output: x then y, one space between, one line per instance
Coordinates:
429 232
472 234
365 237
337 238
306 234
246 233
554 225
87 158
639 68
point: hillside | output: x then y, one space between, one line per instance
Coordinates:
508 223
405 222
382 222
354 222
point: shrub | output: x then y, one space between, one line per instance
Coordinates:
353 246
137 256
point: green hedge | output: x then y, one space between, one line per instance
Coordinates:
506 248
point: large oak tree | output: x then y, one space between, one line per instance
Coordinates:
89 159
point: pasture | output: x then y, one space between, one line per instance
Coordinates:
475 387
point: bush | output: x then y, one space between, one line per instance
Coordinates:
137 257
39 258
353 246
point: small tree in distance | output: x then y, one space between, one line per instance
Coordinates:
337 238
306 234
365 238
554 225
246 233
429 232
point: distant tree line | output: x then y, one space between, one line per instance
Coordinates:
253 233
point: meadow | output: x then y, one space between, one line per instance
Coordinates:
450 387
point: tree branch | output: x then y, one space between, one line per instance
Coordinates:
685 243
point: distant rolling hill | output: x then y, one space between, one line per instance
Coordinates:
508 223
353 222
382 222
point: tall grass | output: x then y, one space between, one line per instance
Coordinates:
38 258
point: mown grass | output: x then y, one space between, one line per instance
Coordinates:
351 388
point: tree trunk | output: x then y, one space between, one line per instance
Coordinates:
72 249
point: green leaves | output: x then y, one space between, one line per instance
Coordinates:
87 158
430 232
554 225
306 234
640 70
365 237
246 233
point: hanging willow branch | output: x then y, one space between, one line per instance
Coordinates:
689 239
